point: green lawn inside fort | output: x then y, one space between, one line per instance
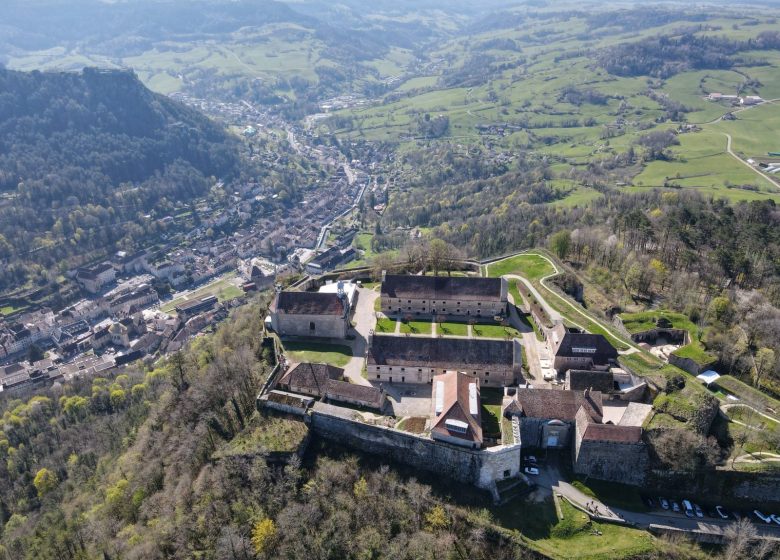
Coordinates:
494 331
529 265
385 325
318 352
416 327
452 329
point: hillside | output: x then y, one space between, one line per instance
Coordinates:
82 154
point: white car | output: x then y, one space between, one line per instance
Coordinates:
762 517
664 503
699 512
675 507
775 518
533 471
721 512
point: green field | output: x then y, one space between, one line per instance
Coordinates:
416 327
224 288
385 325
494 331
319 353
452 329
530 266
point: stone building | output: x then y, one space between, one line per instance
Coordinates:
322 380
456 410
547 415
310 314
609 452
402 359
595 380
583 351
260 272
462 297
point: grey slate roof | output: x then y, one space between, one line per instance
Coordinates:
308 303
444 353
313 377
579 380
570 345
366 395
441 288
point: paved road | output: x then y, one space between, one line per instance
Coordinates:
365 320
550 479
746 164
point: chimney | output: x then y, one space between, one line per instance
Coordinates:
384 275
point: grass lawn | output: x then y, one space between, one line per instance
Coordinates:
224 288
266 434
491 400
747 394
317 352
573 537
494 331
515 292
452 329
531 266
385 325
612 494
416 327
696 352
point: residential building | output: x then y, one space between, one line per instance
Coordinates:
191 308
418 359
443 296
456 416
95 278
329 259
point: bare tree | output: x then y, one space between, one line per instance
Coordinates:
739 535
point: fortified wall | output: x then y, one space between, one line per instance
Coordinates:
481 468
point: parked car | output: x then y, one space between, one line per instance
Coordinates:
687 507
664 503
675 507
533 471
699 512
762 517
721 512
776 518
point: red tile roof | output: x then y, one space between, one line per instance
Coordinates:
456 406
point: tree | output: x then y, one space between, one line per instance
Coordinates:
437 518
739 535
765 362
263 535
34 353
560 243
45 481
178 372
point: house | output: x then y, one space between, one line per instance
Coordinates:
749 100
418 359
93 279
456 415
576 350
140 296
310 314
455 296
547 415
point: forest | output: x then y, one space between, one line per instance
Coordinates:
125 466
84 156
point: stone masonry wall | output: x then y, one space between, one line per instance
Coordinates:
478 467
616 462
